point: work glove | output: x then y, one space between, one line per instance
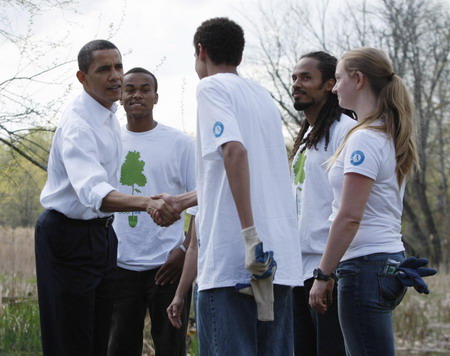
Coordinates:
262 267
411 271
262 290
256 260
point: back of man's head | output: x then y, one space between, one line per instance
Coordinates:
223 40
86 52
327 64
145 71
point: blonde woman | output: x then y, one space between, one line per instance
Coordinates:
368 174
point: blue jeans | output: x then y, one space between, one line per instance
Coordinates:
366 298
227 324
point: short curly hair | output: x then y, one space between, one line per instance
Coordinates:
223 40
85 56
145 71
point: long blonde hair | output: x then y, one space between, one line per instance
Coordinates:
394 105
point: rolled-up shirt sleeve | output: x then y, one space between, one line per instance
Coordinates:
88 177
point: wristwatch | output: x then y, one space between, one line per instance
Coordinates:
318 274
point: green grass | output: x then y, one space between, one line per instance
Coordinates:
20 332
19 328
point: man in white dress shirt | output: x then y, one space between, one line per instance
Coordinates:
76 247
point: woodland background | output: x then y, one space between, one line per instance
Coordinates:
414 33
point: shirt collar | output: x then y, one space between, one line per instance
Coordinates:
97 110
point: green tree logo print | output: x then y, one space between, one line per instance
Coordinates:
299 169
132 176
299 178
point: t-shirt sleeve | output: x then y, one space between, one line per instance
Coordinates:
192 210
340 131
363 154
188 161
216 119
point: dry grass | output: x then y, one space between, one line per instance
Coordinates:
422 322
17 263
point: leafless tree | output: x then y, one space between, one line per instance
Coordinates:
32 71
38 68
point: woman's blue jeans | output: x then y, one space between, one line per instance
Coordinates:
227 324
367 295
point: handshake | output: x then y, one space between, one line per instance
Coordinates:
164 209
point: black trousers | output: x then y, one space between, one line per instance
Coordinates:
75 264
316 334
136 293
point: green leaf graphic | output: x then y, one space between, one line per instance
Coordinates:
132 176
299 169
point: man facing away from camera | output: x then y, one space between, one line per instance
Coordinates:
244 200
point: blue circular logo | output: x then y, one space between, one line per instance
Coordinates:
357 158
218 129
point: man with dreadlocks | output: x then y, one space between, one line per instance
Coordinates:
321 133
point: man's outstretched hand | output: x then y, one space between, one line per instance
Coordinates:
163 209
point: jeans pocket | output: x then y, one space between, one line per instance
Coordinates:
392 290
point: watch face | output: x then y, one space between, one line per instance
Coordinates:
316 273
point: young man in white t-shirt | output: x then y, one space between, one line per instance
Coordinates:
155 158
320 135
244 191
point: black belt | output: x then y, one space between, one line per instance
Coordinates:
106 221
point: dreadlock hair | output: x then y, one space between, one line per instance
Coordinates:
329 113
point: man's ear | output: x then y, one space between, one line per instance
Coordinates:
201 52
329 84
81 76
156 99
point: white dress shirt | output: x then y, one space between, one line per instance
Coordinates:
84 160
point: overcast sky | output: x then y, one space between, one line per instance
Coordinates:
155 34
